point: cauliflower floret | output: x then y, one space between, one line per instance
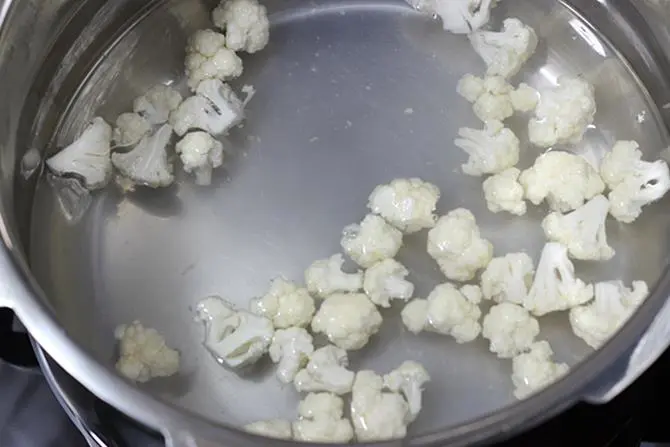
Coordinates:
563 113
490 96
510 329
534 370
87 157
291 349
286 304
325 277
234 337
129 129
200 153
326 371
407 204
458 16
524 98
385 281
147 164
503 192
143 353
491 150
555 286
597 321
207 57
245 22
408 379
506 51
508 278
457 246
272 428
371 241
322 420
565 180
348 320
582 230
415 316
157 103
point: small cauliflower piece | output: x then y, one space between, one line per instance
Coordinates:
325 277
408 379
143 353
286 304
555 286
415 316
614 303
200 154
457 246
291 349
565 180
157 103
582 230
503 192
272 428
491 150
534 370
506 51
490 96
507 278
371 241
385 281
563 113
524 98
207 57
348 320
458 16
407 204
245 22
321 419
510 329
147 163
326 371
87 157
129 129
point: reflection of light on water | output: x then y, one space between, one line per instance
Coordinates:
550 74
588 37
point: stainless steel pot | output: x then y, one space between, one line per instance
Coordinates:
367 75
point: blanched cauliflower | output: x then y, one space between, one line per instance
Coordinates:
457 246
490 96
371 241
87 157
286 304
563 113
524 98
147 163
510 329
326 371
207 57
582 230
200 154
506 51
348 320
534 370
385 281
157 103
507 278
565 180
321 419
143 353
491 150
325 277
597 321
407 204
458 16
129 129
555 286
503 192
291 349
272 428
245 22
408 379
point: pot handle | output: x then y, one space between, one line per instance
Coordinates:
15 346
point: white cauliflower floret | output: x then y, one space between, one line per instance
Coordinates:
207 57
87 157
506 51
129 129
147 163
508 278
200 153
490 96
371 241
503 192
321 419
415 316
408 379
325 277
534 370
582 230
491 150
348 320
385 281
272 428
326 371
524 98
291 349
565 180
407 204
286 304
563 113
457 246
157 103
245 22
143 353
510 329
555 286
597 321
458 16
234 337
